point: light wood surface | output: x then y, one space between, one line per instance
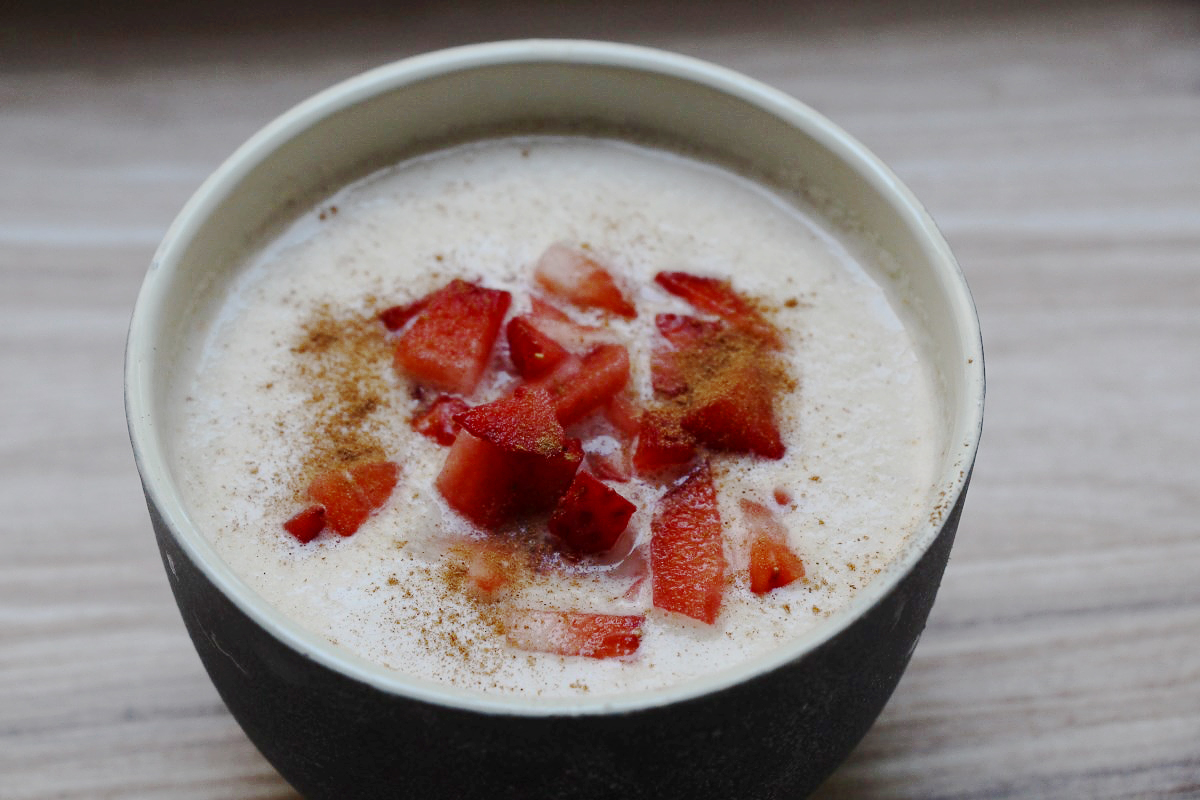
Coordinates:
1058 147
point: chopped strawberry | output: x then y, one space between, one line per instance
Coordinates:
397 317
772 562
307 524
687 556
581 280
734 412
575 337
377 479
511 458
543 311
719 297
448 343
591 516
683 335
533 353
437 421
489 566
624 414
615 466
574 633
347 497
346 504
662 443
581 385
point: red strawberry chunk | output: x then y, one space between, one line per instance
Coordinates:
624 414
581 385
687 558
591 516
533 353
524 422
437 421
347 497
450 339
683 334
574 633
346 504
614 466
307 524
772 562
489 566
511 458
662 443
581 280
735 413
718 297
397 317
377 479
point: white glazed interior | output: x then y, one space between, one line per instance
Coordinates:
369 121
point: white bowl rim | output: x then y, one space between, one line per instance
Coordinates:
152 462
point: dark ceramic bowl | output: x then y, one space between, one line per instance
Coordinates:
336 726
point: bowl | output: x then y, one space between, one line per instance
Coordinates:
335 725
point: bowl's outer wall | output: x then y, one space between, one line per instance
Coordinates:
777 735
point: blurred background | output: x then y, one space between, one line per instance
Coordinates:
1057 145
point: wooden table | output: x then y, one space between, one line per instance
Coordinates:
1060 151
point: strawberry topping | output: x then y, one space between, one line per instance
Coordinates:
533 353
662 442
307 524
581 280
772 562
718 297
591 516
449 340
437 421
511 458
349 496
581 385
574 633
687 558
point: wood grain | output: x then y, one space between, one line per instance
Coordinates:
1059 149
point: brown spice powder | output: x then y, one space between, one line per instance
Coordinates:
343 358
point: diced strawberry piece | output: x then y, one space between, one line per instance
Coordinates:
396 317
566 332
574 633
610 466
580 279
523 422
591 516
489 566
683 331
346 504
735 413
450 339
543 311
377 479
511 458
687 556
307 524
437 421
662 443
718 297
772 565
533 353
684 335
624 414
772 562
581 385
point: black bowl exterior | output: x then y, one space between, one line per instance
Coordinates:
777 735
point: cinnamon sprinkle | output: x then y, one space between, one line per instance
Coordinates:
342 358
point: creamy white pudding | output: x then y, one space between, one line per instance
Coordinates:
291 365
